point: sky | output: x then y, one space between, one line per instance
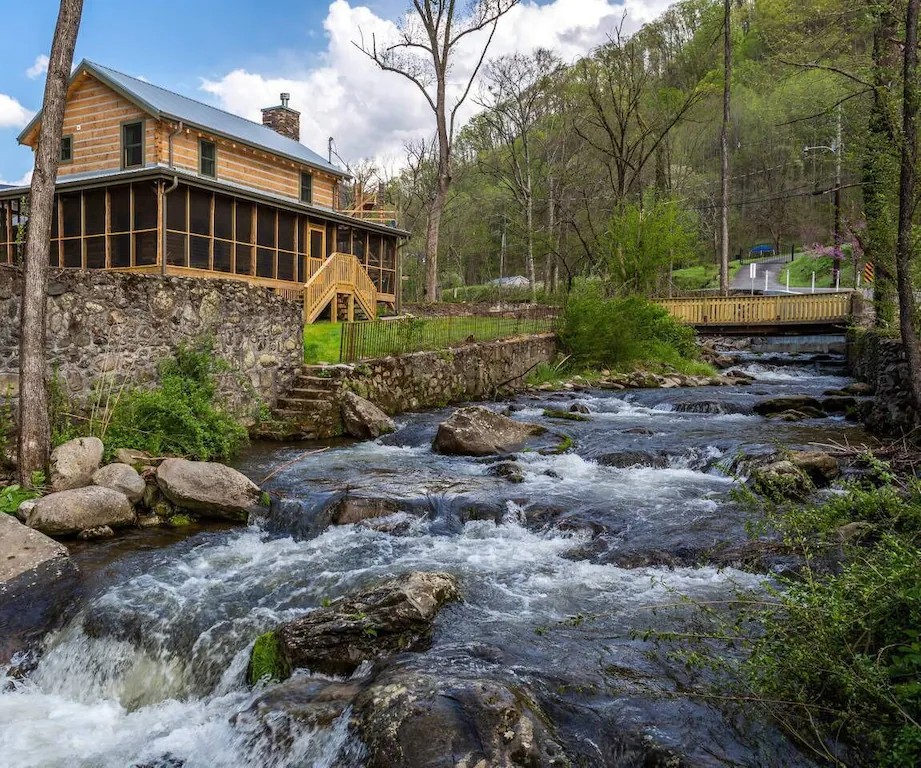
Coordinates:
240 55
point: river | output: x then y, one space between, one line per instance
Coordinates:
559 572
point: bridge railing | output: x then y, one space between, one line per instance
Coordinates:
761 310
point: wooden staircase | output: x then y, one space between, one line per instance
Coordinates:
341 276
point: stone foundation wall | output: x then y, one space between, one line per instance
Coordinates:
431 379
111 323
880 361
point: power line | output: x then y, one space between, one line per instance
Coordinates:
787 196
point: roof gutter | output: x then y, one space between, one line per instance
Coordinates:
170 141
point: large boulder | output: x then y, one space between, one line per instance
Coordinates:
410 719
36 579
208 489
67 513
121 478
477 431
393 616
799 403
780 481
363 419
74 462
821 467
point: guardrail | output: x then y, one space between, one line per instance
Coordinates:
800 309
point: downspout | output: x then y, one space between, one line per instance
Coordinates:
170 188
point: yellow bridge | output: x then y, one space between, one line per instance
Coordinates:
738 313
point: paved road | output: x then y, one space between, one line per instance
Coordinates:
776 279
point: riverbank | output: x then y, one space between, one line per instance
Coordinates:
563 559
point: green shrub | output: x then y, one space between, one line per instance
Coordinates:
181 416
13 496
841 654
612 333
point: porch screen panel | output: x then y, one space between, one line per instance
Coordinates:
286 222
343 239
388 265
243 227
265 240
145 224
5 234
72 230
177 238
120 215
94 228
199 229
223 233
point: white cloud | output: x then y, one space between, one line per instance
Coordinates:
373 113
38 68
21 182
12 113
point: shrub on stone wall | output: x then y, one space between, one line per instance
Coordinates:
181 416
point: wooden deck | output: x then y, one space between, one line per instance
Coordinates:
756 312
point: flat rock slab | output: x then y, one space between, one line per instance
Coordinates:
478 431
208 489
68 512
37 579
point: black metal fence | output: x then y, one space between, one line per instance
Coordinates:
381 338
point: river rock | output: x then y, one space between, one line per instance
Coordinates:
627 459
36 578
818 465
208 489
363 419
281 712
354 509
67 513
780 481
74 462
411 719
133 458
780 405
121 478
844 404
859 388
393 616
507 470
708 406
478 431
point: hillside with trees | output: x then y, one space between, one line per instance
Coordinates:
610 166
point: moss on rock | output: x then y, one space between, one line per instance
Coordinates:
266 662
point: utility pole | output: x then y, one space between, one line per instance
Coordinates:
836 274
837 147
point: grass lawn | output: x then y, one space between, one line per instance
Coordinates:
322 342
802 267
701 276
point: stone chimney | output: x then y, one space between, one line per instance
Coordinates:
283 119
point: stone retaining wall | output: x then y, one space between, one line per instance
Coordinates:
123 324
430 379
880 361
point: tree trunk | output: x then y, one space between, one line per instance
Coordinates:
724 148
34 417
907 200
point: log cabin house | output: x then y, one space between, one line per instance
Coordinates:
153 182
